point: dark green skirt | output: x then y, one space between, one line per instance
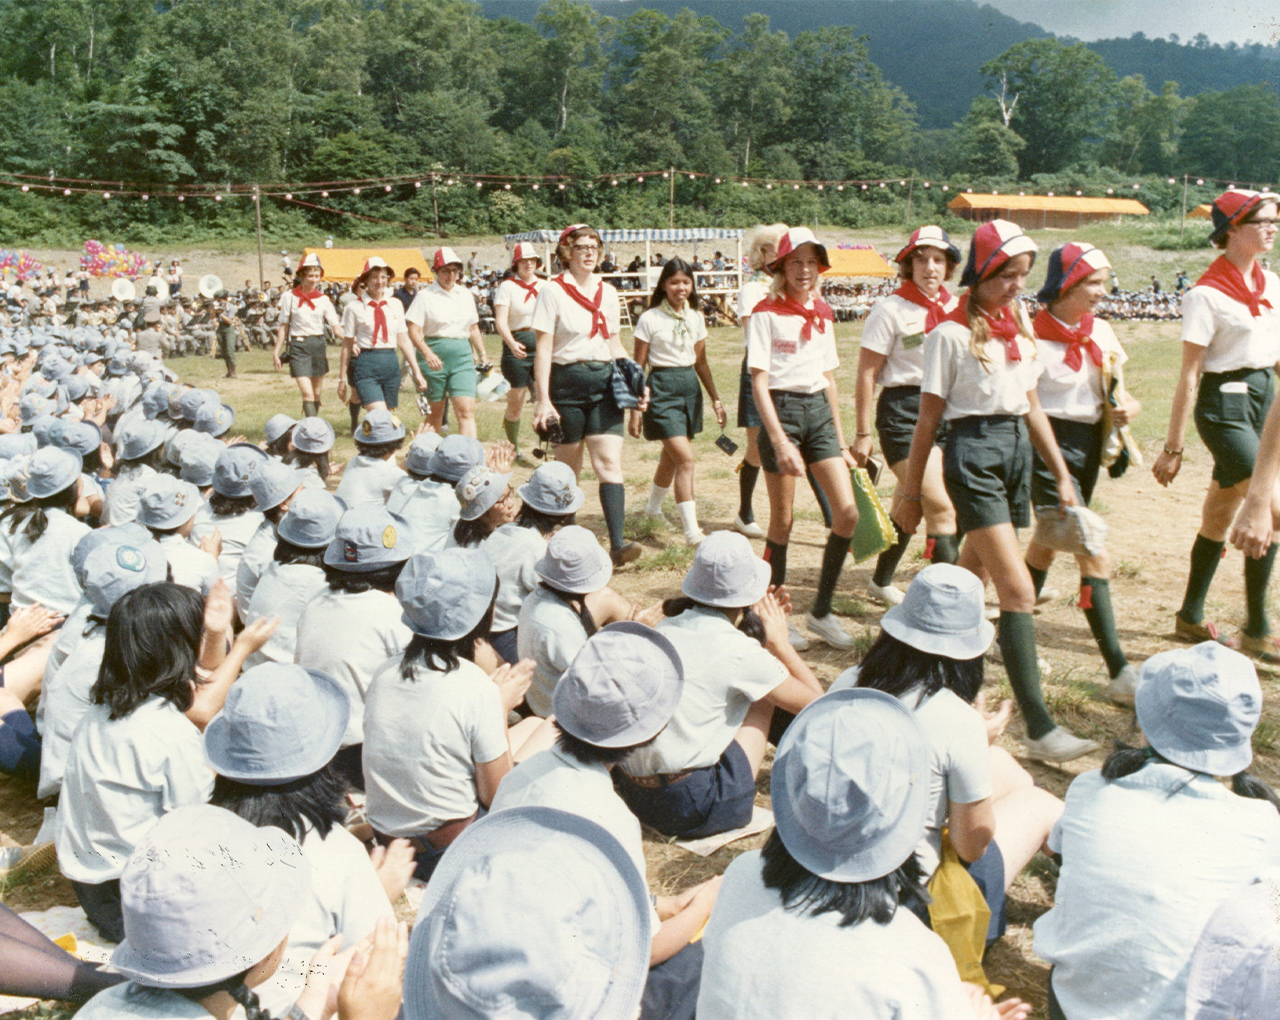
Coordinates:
675 404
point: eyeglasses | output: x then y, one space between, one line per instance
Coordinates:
586 247
1264 224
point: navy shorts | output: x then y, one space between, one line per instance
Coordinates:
1081 446
504 643
897 412
748 416
806 420
519 371
707 801
376 376
987 470
1230 423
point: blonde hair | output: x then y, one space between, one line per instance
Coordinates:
760 237
979 333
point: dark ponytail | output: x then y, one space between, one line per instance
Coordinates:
37 517
750 624
1125 760
237 989
579 605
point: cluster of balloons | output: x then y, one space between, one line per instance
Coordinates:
19 262
112 260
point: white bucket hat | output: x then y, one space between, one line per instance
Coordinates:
445 594
726 572
479 490
575 562
942 614
553 489
533 912
205 896
851 785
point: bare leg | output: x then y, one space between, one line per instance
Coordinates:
1025 814
753 734
464 409
531 735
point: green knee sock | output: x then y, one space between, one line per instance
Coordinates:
747 475
1257 575
1095 600
512 429
1017 637
1037 578
775 554
832 563
944 549
890 558
1205 555
613 501
354 411
308 408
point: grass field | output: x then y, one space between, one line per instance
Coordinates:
1151 530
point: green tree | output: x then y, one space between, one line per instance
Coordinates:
1059 100
573 56
1147 127
751 82
1233 134
984 146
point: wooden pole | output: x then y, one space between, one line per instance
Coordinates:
1182 225
435 204
257 215
671 200
910 190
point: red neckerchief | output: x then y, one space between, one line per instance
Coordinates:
379 321
787 305
598 322
306 298
530 289
935 310
1224 276
1077 338
1003 326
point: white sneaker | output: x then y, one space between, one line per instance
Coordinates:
798 641
1059 745
889 594
694 538
752 530
1124 685
1048 595
828 629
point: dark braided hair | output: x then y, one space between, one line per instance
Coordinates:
578 604
237 989
34 512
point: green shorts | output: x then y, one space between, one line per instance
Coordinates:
582 394
1230 423
675 404
987 470
457 377
897 412
519 371
806 420
308 357
376 377
1081 446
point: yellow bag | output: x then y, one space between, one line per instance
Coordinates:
874 531
960 916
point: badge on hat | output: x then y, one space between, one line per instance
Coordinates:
389 537
350 551
366 428
131 559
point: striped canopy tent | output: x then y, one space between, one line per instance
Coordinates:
859 261
1030 211
686 235
345 264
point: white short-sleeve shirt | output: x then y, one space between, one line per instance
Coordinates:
1232 336
349 636
570 324
303 320
551 635
423 738
191 566
725 671
124 494
42 570
431 508
443 313
774 344
237 531
1124 924
895 329
969 387
514 551
1075 394
672 340
763 960
64 700
368 480
358 323
519 303
122 775
258 553
282 591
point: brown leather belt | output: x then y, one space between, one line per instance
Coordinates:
660 781
436 839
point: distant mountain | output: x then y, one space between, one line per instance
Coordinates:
932 49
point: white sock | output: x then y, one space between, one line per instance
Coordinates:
689 517
657 495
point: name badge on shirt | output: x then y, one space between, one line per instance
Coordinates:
912 341
784 346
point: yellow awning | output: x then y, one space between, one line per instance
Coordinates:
858 262
1201 212
345 264
1057 204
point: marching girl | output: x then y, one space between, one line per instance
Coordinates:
513 305
671 341
304 311
444 326
373 328
761 244
980 372
1230 341
1072 392
791 353
892 354
576 320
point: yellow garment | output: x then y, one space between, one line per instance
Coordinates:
874 532
960 916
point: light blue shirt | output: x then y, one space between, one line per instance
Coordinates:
551 634
42 570
1146 860
368 480
431 508
283 591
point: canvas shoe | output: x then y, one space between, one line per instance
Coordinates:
749 528
1265 649
1205 630
798 641
625 554
827 628
1124 685
26 861
1059 745
888 594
